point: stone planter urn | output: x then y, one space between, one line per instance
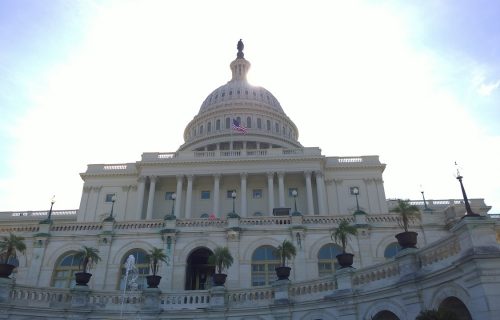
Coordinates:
407 239
283 273
345 260
82 278
153 281
220 279
6 270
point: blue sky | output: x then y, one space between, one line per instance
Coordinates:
417 83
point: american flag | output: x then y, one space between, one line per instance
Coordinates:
237 126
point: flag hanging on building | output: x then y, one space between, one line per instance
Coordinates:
237 126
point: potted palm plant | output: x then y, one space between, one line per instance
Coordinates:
88 257
222 259
9 246
286 251
156 256
341 236
406 211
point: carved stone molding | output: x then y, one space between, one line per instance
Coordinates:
87 189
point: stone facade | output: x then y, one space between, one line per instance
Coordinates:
282 190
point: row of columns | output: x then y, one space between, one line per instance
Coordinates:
320 183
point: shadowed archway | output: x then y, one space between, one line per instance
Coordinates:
198 272
455 306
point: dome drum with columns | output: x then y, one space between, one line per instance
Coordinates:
254 107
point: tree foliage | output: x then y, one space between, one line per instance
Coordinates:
286 251
222 259
10 246
88 258
406 211
343 233
156 255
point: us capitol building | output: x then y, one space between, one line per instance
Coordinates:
242 179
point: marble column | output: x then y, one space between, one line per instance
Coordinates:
243 196
141 182
126 190
151 198
97 192
178 192
310 204
216 195
189 195
281 189
270 190
84 204
320 185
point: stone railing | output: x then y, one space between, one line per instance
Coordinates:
119 168
185 300
134 225
438 204
279 220
438 251
353 161
192 223
33 296
311 290
116 300
374 273
326 219
225 154
261 296
38 215
19 228
75 227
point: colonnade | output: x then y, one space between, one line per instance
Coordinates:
180 179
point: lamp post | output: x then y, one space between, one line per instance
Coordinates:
233 195
468 209
52 201
355 192
174 196
426 208
294 195
113 199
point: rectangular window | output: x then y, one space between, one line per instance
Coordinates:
257 193
291 190
229 194
109 197
205 195
168 195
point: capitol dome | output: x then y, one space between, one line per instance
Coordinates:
238 115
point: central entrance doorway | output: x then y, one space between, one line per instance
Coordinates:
198 272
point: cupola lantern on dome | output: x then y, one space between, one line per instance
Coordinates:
240 66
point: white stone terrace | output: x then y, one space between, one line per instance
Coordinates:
228 155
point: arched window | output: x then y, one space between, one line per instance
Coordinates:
264 263
217 124
139 272
327 259
228 123
391 250
277 127
455 307
201 129
385 315
249 122
268 124
64 272
209 127
259 123
238 119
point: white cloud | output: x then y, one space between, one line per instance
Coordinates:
485 89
